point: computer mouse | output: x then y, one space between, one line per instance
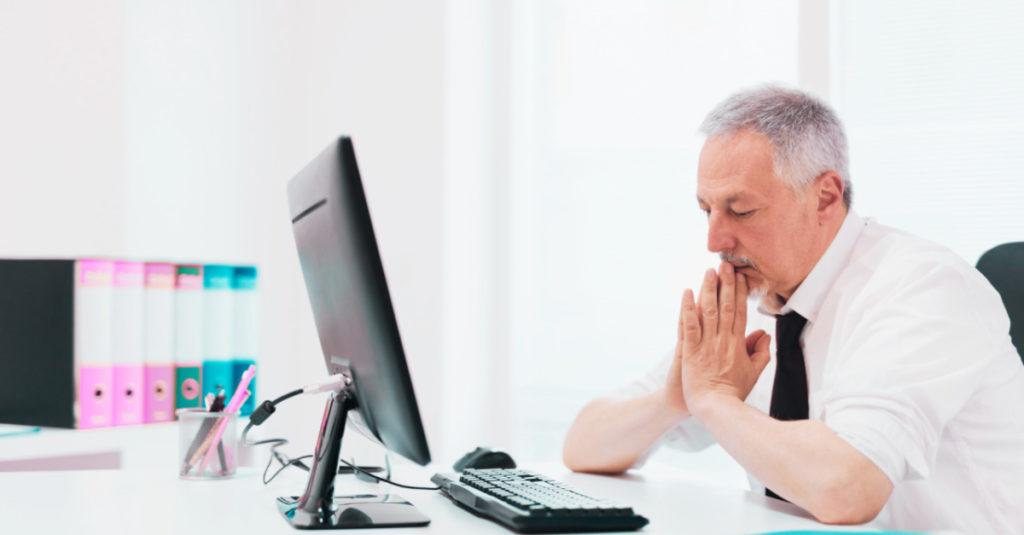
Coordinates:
484 458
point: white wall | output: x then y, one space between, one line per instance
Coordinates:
931 98
605 229
169 130
61 137
474 330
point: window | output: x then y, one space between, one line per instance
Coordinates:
607 97
930 93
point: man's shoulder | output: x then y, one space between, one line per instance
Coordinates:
881 246
888 259
910 288
892 266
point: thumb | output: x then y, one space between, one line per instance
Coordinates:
761 354
752 339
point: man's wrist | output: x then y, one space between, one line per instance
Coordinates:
669 413
674 415
711 405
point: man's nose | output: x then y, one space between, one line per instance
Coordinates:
720 237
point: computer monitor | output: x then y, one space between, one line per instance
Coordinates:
359 337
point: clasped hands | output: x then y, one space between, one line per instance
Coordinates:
713 356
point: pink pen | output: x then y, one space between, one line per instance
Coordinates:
229 458
237 399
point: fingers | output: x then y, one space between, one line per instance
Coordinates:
689 324
761 355
740 324
726 297
752 339
680 333
700 299
681 329
709 304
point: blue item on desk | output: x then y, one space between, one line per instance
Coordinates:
823 532
17 430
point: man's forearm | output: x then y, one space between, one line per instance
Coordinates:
609 435
803 461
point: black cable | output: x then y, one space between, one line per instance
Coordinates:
286 462
384 479
291 394
260 415
264 411
277 442
266 480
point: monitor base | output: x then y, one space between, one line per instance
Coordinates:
354 512
318 507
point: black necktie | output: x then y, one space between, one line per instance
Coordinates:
789 392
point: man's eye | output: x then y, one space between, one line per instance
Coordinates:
707 212
743 214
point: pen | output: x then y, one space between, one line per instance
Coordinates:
218 406
239 397
226 460
218 402
199 444
204 453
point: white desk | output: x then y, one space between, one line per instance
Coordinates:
152 501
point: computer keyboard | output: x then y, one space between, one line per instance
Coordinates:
531 503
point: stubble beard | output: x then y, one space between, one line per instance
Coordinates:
756 291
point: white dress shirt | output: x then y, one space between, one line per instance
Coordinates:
909 360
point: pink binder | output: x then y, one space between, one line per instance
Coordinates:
92 342
159 342
127 342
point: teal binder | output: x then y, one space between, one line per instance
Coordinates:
218 313
218 375
246 332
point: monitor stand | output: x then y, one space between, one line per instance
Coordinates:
319 508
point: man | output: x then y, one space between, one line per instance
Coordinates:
891 389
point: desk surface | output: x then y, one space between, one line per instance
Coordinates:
149 500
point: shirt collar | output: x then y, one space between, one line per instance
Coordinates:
807 298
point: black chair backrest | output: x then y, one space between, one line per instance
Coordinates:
1003 266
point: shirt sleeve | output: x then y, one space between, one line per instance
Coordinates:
689 435
908 365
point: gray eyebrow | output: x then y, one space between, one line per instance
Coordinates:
728 200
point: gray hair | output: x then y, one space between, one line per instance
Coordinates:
806 134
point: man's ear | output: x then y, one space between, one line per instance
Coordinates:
829 189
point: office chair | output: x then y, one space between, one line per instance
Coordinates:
1003 266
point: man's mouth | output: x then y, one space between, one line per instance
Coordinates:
740 265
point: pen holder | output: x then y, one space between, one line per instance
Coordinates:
207 444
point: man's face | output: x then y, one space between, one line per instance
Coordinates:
759 224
